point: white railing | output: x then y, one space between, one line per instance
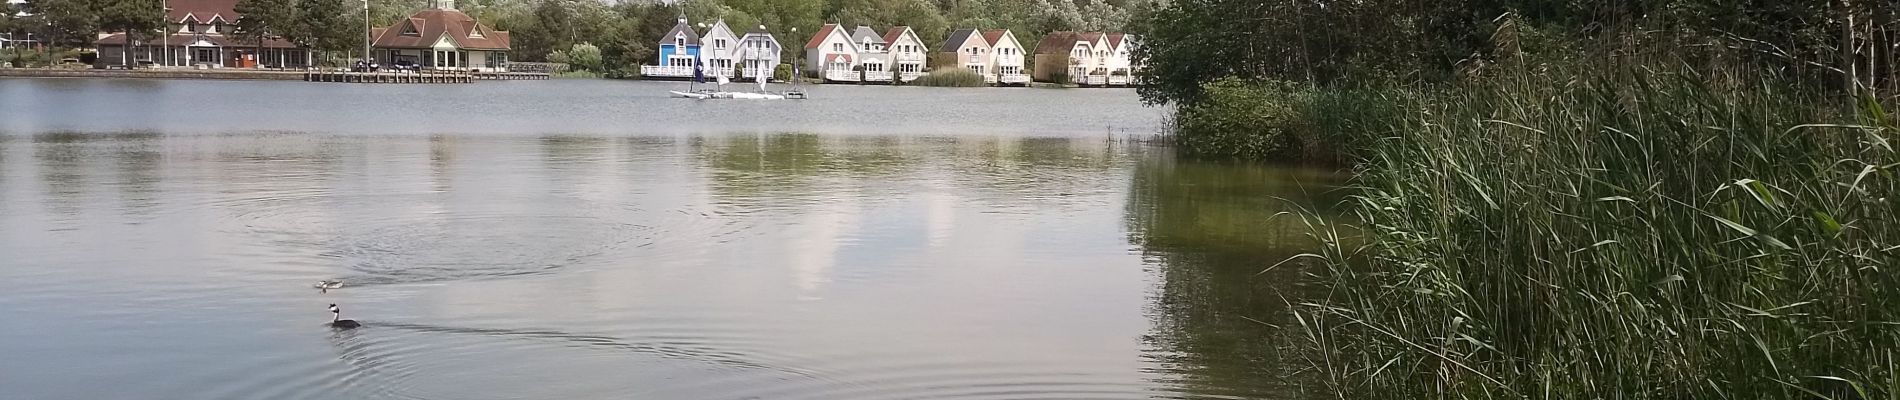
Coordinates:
841 76
877 76
666 71
990 79
1118 80
1014 78
1096 80
913 58
909 76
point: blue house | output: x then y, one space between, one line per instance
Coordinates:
680 47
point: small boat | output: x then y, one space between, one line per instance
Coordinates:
691 95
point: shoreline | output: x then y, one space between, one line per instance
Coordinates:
151 74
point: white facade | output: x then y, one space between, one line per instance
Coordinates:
908 53
1006 60
874 55
759 54
719 49
831 54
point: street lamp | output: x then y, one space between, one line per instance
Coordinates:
367 38
798 60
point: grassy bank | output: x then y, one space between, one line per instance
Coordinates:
951 77
1624 233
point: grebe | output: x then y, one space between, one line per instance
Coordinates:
337 321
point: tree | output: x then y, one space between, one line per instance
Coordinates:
135 18
923 17
325 26
260 20
63 22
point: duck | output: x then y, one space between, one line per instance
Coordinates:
337 321
327 284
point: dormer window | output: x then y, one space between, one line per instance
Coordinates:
475 33
679 41
410 30
216 27
191 26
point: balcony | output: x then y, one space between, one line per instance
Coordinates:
1014 79
877 76
841 75
909 76
1095 80
666 71
1118 80
990 79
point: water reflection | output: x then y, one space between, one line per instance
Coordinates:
780 266
1211 230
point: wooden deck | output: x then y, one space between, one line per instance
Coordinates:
418 77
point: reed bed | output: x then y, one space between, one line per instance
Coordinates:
951 77
1626 234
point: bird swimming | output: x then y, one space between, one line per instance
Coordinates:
327 284
337 321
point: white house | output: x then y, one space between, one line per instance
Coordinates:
831 54
1120 65
1006 57
759 53
965 49
908 53
874 54
719 49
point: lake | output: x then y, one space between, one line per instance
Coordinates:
586 239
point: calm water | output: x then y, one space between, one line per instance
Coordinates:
589 239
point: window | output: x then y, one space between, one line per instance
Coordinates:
839 47
679 42
192 26
719 44
410 30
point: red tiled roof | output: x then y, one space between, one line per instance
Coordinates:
1115 39
819 39
891 35
433 24
203 11
833 57
994 35
1059 42
181 39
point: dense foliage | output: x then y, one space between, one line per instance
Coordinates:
1628 199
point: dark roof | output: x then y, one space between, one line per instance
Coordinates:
819 38
202 11
681 29
995 35
896 32
181 39
432 24
1059 42
1115 39
865 32
758 30
956 39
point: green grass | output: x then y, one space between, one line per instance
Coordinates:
1620 233
951 77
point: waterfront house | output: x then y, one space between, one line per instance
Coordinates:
874 54
965 49
908 53
1120 65
1006 58
1059 57
678 55
759 53
199 34
831 54
444 38
719 50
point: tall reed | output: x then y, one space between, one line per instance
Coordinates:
1631 233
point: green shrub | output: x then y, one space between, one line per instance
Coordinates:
783 72
951 77
1253 120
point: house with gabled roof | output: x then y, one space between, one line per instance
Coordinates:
874 55
908 53
832 55
719 50
965 48
1006 57
759 53
1086 58
679 51
199 33
442 37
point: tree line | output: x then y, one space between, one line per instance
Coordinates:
1833 44
625 33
